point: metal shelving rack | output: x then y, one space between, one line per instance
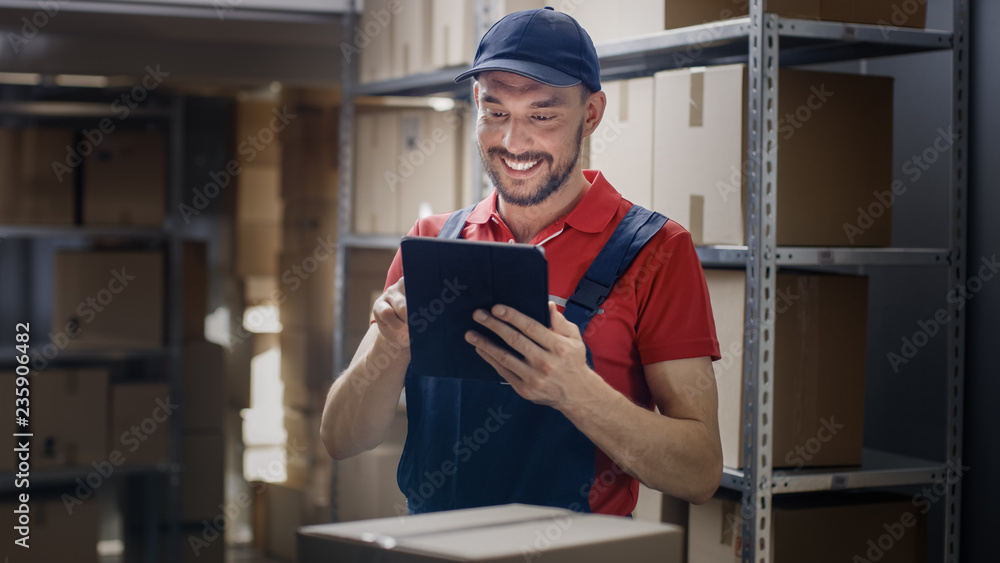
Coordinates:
762 41
170 239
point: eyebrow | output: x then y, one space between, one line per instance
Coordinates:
551 102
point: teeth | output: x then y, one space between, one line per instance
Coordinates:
520 165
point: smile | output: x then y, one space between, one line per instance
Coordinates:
520 165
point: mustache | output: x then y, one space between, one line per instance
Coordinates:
501 152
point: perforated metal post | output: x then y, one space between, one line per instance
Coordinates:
958 192
762 107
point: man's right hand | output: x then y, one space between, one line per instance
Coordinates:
390 314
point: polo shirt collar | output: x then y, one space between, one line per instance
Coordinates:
591 215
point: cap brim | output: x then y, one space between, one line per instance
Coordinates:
535 71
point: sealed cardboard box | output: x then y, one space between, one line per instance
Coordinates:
279 510
869 527
310 228
258 244
411 38
140 422
203 369
33 190
826 121
53 530
623 19
819 367
373 38
873 12
306 365
497 534
376 199
68 418
452 39
259 124
259 195
109 299
124 180
426 177
622 146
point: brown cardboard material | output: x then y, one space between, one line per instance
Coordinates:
31 191
259 194
873 12
376 200
496 534
366 271
606 22
819 367
452 41
622 146
306 365
140 423
54 532
109 299
411 38
68 418
203 372
373 36
826 120
258 244
195 300
124 180
865 526
202 490
258 142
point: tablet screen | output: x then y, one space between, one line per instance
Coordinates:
446 280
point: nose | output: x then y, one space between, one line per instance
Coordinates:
516 138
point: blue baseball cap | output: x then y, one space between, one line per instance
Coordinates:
544 45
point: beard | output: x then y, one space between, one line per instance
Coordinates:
548 185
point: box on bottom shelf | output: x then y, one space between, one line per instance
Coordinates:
53 530
868 527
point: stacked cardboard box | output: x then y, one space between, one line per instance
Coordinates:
866 527
53 531
31 191
834 154
408 166
819 367
124 180
259 125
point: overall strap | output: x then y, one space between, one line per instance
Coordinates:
456 222
632 233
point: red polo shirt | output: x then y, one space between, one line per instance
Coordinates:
659 310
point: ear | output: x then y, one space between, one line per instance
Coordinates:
594 111
475 93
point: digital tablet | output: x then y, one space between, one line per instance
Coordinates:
446 280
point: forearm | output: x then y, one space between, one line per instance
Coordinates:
362 402
676 456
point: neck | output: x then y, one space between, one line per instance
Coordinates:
526 222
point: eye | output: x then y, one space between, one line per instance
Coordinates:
542 117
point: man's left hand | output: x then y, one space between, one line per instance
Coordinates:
554 360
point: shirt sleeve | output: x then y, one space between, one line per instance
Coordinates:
675 312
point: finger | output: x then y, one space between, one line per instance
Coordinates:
510 377
387 314
509 334
502 360
561 324
526 325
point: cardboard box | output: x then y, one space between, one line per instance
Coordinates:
31 191
506 533
373 38
311 155
411 38
195 299
366 272
834 155
109 299
624 19
258 244
258 141
124 180
306 365
366 485
203 369
310 228
308 297
376 199
140 422
819 367
874 12
622 146
800 530
452 40
54 531
202 492
68 418
259 195
279 511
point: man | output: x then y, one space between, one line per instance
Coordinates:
561 433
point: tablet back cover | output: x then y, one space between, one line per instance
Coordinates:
446 280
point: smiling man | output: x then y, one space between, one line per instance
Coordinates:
576 426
